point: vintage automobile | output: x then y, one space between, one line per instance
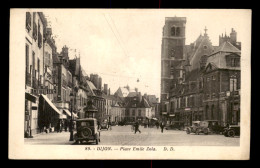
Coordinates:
179 125
104 125
232 130
121 123
193 128
209 126
87 130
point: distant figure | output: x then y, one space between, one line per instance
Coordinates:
98 123
61 125
66 125
145 125
157 124
137 127
110 125
162 126
58 126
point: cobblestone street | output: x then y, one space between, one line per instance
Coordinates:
122 135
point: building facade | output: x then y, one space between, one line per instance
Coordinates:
35 24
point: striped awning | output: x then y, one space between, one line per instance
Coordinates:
67 112
51 104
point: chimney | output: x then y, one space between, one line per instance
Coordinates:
145 95
233 36
105 89
140 96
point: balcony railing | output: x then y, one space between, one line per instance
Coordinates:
28 79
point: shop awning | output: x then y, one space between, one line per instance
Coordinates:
51 104
67 112
75 115
30 97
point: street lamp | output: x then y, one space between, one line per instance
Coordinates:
71 121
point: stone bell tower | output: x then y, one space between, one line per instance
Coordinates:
173 42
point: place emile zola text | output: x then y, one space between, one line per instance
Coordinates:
129 149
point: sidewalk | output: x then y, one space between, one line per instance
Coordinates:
53 138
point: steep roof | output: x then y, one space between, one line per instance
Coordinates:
133 102
122 92
133 94
218 58
55 59
152 98
91 88
226 47
196 50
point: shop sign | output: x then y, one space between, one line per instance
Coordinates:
34 107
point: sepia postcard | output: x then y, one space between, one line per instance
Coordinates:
130 84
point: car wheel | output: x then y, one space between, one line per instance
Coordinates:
197 131
231 133
188 131
86 132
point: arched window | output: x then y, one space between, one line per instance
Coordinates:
173 31
212 111
178 31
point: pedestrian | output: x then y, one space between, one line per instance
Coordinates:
157 124
98 123
61 125
162 126
137 127
66 125
109 125
58 126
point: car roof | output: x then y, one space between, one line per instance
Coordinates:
86 119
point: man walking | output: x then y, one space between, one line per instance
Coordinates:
162 126
137 127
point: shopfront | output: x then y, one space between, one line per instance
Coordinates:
29 120
49 115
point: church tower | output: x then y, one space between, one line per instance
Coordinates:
172 51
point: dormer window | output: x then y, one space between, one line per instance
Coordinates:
205 47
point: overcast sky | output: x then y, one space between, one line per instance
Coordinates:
125 45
